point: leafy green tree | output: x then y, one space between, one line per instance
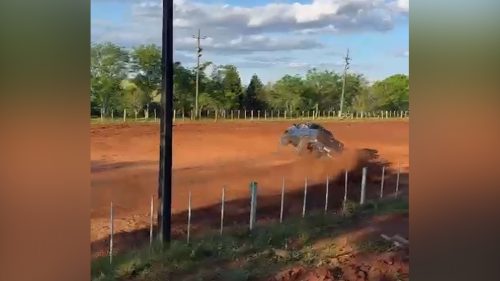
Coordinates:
222 89
365 101
205 101
324 89
184 87
134 98
254 94
287 93
214 87
146 64
108 67
354 86
232 88
392 93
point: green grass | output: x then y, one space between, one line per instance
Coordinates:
240 254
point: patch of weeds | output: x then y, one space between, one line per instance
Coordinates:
235 274
369 206
177 251
328 252
264 240
103 277
393 206
131 268
304 238
216 246
279 234
374 246
350 209
295 256
280 255
159 275
203 249
101 268
309 256
398 276
240 233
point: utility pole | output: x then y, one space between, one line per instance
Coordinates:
166 123
198 56
346 66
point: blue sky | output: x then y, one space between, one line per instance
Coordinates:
270 38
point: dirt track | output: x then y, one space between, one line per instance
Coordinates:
209 156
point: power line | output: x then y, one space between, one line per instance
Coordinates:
198 56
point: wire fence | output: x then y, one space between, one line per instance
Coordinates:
249 115
254 204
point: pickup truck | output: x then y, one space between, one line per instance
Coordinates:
312 138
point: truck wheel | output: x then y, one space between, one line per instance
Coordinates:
302 147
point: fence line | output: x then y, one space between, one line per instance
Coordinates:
397 180
189 218
269 115
282 199
111 232
305 199
151 222
363 187
346 182
222 210
382 182
326 193
253 190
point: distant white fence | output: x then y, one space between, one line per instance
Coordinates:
253 115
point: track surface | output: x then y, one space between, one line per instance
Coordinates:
212 155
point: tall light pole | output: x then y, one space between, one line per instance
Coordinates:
166 120
346 66
198 56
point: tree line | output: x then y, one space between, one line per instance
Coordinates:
130 80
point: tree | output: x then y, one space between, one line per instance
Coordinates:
133 97
213 85
146 63
287 93
324 88
108 67
392 93
222 89
208 102
184 84
354 86
232 89
254 94
365 101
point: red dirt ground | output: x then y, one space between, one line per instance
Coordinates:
208 156
353 264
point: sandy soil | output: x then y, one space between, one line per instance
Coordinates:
212 155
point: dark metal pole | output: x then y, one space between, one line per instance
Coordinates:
165 175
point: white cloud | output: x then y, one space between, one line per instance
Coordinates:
401 6
236 29
402 53
321 30
404 5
